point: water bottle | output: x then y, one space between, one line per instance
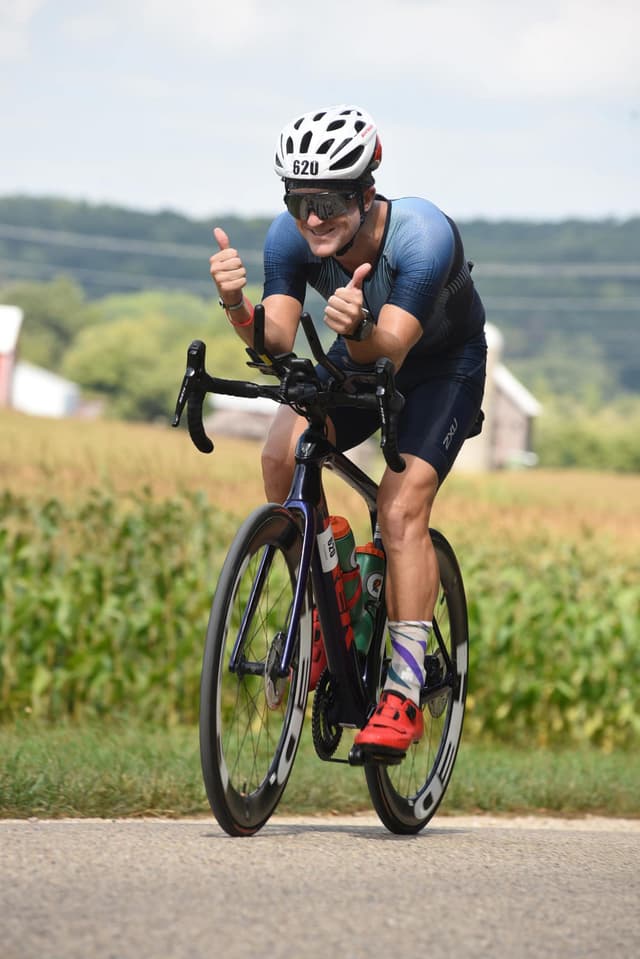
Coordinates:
352 583
362 571
371 561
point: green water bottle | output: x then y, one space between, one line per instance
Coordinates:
371 562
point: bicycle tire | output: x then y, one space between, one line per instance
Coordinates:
406 796
250 720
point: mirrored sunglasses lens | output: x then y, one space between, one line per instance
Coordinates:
324 205
293 202
329 205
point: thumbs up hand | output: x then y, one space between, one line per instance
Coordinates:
359 276
343 312
227 269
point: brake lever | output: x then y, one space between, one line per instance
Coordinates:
192 393
195 366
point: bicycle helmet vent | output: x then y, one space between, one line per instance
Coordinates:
339 143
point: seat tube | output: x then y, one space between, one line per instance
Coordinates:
307 497
339 641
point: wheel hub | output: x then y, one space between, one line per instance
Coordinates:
275 686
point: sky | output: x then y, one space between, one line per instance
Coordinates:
495 109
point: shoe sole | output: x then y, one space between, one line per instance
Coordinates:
369 754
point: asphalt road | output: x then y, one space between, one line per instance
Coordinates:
339 887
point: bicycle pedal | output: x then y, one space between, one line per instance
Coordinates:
375 755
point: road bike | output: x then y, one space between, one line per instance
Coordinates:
281 566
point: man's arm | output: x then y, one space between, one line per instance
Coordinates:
395 333
282 313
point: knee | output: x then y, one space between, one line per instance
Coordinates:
404 508
397 517
276 472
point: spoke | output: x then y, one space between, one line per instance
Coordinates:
252 732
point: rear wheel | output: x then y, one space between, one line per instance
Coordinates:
406 795
250 716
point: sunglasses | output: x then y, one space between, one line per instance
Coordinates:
324 205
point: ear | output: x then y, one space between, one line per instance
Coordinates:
368 197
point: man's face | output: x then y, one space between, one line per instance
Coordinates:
325 234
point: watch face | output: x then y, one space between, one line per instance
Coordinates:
366 328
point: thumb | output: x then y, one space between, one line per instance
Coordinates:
359 276
222 238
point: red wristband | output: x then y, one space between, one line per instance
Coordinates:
246 322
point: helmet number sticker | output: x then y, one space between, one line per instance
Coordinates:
306 167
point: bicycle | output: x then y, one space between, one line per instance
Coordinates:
257 657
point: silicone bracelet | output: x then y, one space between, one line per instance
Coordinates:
246 322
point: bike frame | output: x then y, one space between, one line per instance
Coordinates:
307 500
307 505
355 690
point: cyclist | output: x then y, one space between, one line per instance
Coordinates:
397 284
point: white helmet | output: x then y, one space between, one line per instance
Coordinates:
339 143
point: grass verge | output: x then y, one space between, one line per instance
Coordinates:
127 770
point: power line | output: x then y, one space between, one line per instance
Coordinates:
118 244
106 278
139 281
112 244
548 304
599 270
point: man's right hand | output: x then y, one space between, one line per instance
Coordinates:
227 270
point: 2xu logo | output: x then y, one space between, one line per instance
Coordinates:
306 167
453 429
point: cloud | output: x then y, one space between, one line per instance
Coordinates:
15 21
494 49
479 104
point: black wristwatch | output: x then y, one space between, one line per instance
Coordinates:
364 329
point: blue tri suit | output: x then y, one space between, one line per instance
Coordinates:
421 267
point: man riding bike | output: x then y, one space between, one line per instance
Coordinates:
397 284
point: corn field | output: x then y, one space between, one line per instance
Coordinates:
110 546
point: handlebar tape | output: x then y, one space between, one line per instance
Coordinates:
194 421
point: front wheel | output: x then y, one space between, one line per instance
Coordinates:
406 795
250 716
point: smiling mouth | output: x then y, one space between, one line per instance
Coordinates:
321 236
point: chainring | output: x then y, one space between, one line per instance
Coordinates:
326 735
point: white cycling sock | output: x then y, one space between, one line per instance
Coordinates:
408 649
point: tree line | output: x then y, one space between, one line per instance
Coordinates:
103 286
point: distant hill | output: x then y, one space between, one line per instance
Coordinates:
566 295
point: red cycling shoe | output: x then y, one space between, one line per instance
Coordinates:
318 655
396 723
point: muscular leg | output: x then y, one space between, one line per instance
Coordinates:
404 508
278 455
